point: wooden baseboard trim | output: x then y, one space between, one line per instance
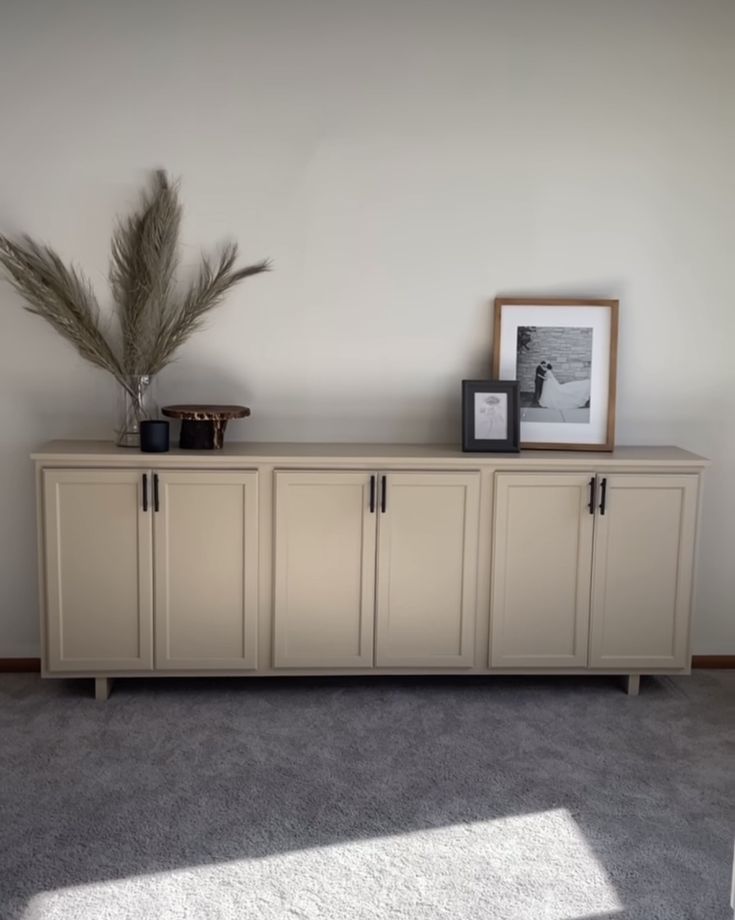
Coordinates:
713 661
20 665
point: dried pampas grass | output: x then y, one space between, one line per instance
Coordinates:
154 316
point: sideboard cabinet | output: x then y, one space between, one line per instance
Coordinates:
277 559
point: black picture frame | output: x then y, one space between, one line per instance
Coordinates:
510 443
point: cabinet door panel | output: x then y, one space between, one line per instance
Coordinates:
644 554
427 570
324 570
206 556
542 566
98 571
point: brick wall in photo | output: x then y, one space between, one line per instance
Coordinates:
568 349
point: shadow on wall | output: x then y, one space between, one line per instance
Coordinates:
301 796
306 413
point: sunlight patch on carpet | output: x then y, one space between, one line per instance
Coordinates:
514 868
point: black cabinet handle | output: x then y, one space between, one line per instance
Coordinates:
145 491
593 484
383 494
603 495
372 495
155 491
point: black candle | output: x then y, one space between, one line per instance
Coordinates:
154 436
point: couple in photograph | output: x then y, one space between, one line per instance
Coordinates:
550 394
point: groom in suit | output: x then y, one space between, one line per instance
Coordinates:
539 381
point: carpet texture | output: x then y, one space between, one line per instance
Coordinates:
480 799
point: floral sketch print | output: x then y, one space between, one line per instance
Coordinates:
491 416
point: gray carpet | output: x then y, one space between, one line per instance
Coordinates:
508 798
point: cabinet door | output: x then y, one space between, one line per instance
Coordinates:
427 570
542 566
206 564
98 569
644 556
324 570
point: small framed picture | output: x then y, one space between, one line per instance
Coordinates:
563 354
490 416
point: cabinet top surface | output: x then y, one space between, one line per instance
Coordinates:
107 453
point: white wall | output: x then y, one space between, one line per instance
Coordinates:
402 162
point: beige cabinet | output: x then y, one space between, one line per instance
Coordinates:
427 569
542 568
642 581
339 534
265 559
206 566
324 569
552 605
98 572
109 535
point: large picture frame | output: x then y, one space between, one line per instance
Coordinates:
490 416
563 353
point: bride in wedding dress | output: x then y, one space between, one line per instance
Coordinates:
555 395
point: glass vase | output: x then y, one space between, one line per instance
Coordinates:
135 404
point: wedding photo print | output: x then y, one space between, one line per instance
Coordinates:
563 355
490 416
554 366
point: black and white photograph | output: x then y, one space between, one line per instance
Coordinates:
490 415
554 367
563 355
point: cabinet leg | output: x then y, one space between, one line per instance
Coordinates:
632 684
102 686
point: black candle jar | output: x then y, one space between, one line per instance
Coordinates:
154 436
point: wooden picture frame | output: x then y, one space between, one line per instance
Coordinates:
559 349
490 416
